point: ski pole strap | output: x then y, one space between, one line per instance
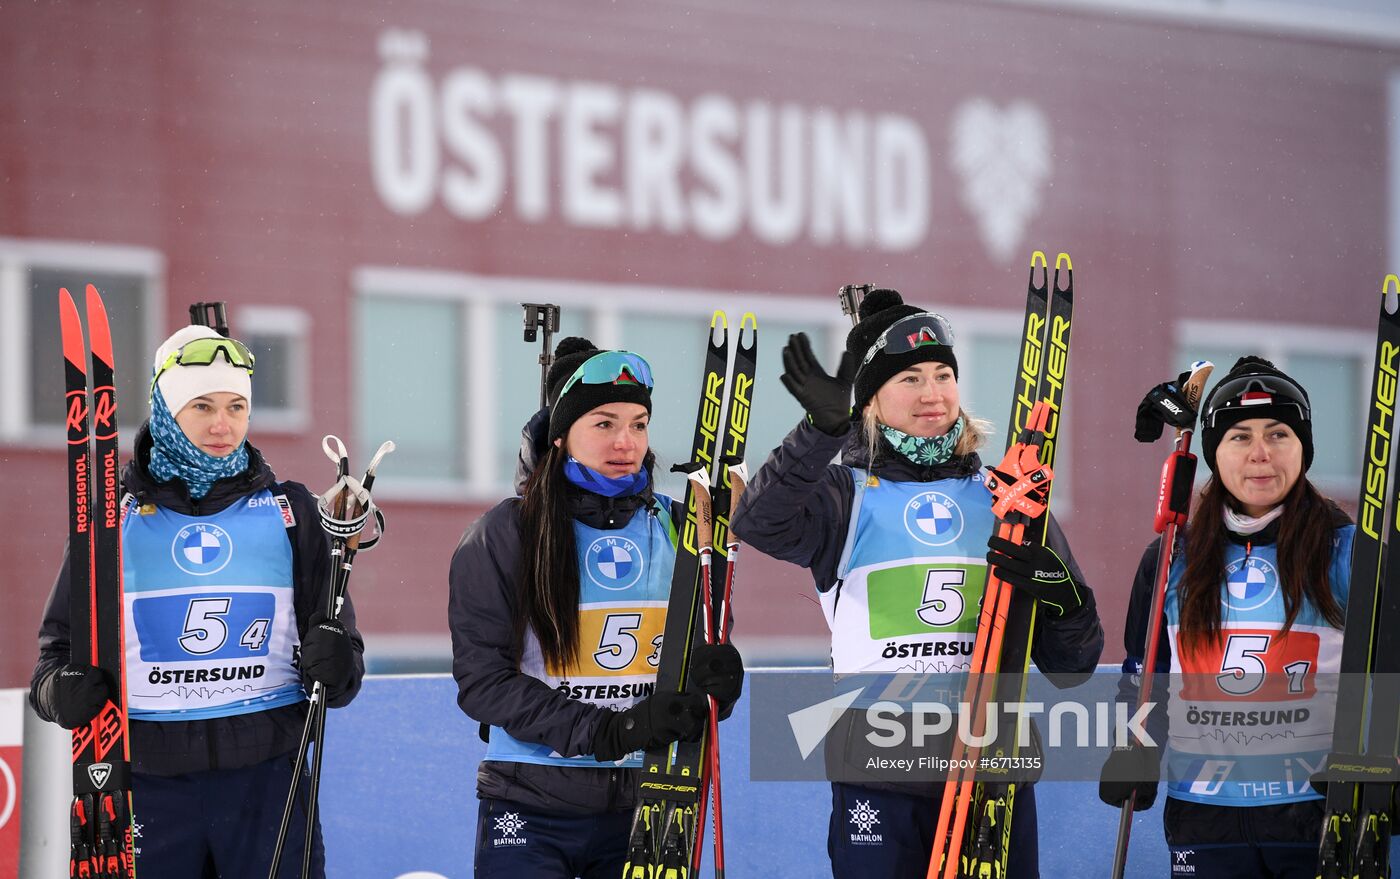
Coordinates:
1020 482
351 495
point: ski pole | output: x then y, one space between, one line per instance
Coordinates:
1173 505
542 316
345 510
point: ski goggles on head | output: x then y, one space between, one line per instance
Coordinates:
203 352
912 333
611 368
1239 395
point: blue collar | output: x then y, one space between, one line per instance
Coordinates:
591 480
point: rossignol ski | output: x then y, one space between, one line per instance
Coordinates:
1361 770
1173 506
346 508
973 832
100 817
664 842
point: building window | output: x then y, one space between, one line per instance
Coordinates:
1333 365
280 340
410 381
31 359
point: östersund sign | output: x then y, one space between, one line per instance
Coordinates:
599 155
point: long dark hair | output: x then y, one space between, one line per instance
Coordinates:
1304 558
547 587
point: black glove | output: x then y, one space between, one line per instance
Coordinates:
1163 405
826 398
1039 571
74 694
718 670
659 719
1127 770
327 655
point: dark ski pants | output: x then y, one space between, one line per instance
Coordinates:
882 833
513 842
1243 842
222 823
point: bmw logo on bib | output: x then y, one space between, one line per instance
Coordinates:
201 549
933 518
614 563
1249 583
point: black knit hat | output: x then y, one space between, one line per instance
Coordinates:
880 310
571 353
1255 388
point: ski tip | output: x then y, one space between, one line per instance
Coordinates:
1390 294
749 321
719 319
98 327
1038 259
1063 258
74 351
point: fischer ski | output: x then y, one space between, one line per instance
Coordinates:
1173 506
664 842
974 821
730 477
100 819
1357 822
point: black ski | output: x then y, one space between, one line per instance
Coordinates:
663 842
1357 823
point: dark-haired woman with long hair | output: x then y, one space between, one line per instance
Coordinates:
557 607
1254 608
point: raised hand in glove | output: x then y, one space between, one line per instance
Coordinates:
659 719
718 670
826 398
327 654
1131 771
73 694
1039 571
1166 404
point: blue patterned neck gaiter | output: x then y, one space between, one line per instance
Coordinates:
925 451
591 480
173 456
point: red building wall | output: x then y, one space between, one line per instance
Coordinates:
1194 173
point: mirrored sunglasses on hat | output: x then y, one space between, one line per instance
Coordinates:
912 333
1247 391
611 368
203 352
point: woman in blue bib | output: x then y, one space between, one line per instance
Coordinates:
1255 601
896 537
225 572
557 606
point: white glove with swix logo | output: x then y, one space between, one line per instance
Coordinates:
1039 571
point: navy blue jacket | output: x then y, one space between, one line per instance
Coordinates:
184 746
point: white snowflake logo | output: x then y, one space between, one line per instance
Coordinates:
135 830
510 823
864 817
1003 158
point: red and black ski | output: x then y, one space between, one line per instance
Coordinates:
100 819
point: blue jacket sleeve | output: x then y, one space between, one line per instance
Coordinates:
798 505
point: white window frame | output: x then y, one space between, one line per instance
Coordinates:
1276 342
17 257
294 325
604 305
